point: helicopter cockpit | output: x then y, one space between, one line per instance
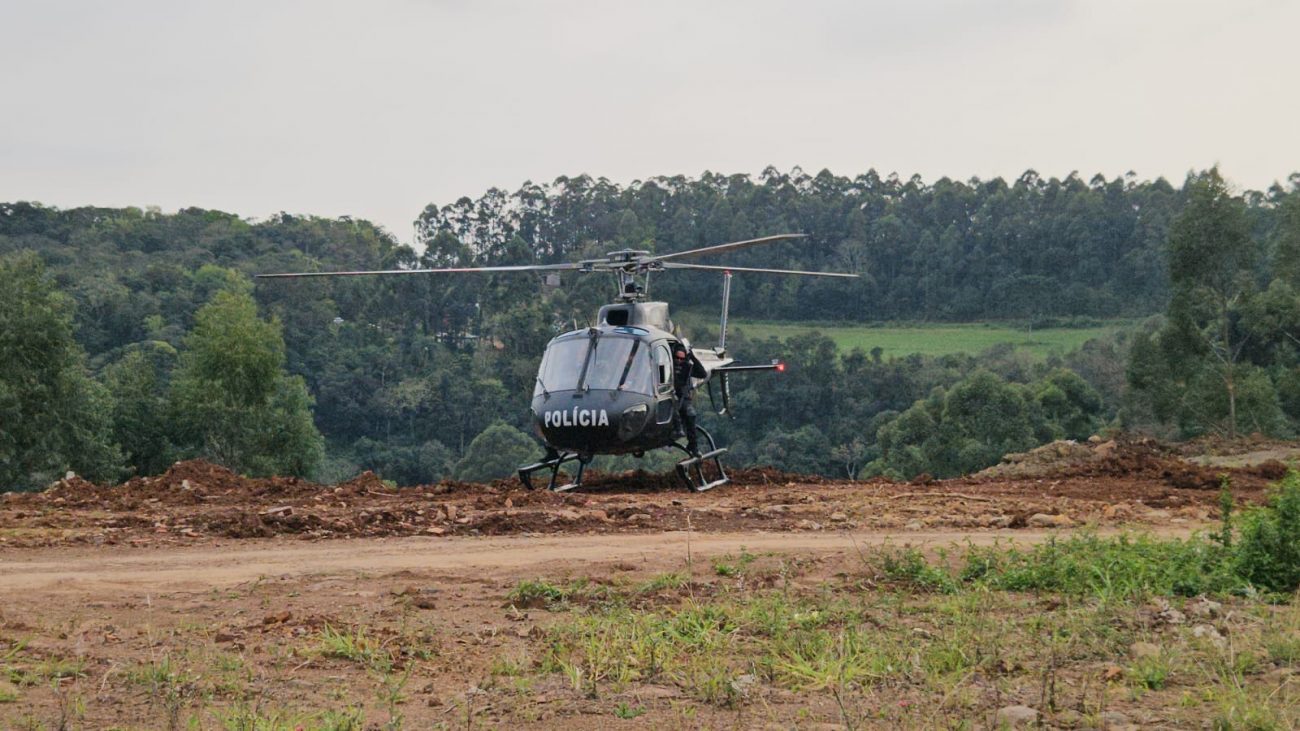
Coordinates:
597 361
605 390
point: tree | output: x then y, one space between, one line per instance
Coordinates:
1287 238
803 451
232 401
53 416
1212 260
987 418
496 452
962 430
141 420
1071 406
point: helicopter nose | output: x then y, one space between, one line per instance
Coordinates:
598 418
632 420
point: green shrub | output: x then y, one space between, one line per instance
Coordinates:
1120 567
909 566
1268 552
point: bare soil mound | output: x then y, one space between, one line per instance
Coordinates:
1133 480
1129 458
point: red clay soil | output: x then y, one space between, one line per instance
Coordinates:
1132 482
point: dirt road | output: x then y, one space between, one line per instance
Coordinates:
199 598
96 571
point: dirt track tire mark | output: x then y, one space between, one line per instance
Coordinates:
77 571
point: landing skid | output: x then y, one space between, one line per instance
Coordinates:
691 470
701 473
554 464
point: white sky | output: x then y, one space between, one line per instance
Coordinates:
375 109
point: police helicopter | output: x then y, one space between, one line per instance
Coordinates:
625 384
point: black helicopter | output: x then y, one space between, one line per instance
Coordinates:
609 388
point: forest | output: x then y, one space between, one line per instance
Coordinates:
130 338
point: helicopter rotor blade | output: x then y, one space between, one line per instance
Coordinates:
708 267
448 270
720 248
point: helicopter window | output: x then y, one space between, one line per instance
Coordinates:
614 364
562 366
663 364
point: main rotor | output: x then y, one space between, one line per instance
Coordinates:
627 265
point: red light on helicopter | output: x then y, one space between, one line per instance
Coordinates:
780 367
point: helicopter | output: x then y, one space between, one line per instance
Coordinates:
608 389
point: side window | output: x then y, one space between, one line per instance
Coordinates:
663 365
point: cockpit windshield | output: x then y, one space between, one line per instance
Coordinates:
609 362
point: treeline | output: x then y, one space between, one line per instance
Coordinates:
948 250
1225 358
402 375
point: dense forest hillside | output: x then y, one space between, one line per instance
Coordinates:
403 374
949 250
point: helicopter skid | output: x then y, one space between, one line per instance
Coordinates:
554 464
691 469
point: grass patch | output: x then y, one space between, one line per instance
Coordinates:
1038 622
730 566
542 594
910 568
1151 672
626 712
671 581
934 339
1122 567
250 718
45 671
355 645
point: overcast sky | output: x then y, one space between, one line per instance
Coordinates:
375 109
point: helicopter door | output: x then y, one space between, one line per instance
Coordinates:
663 384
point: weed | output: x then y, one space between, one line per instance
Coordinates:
356 646
1151 672
254 718
71 708
1109 569
1245 709
52 669
909 567
226 662
669 581
350 719
390 695
511 667
14 651
1283 648
544 594
168 684
729 566
1224 536
537 593
626 712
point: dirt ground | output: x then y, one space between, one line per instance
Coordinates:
197 502
203 599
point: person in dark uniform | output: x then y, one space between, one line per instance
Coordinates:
685 367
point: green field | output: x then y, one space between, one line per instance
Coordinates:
934 339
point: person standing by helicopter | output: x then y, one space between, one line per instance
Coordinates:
686 367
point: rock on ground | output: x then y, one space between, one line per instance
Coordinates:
1016 717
